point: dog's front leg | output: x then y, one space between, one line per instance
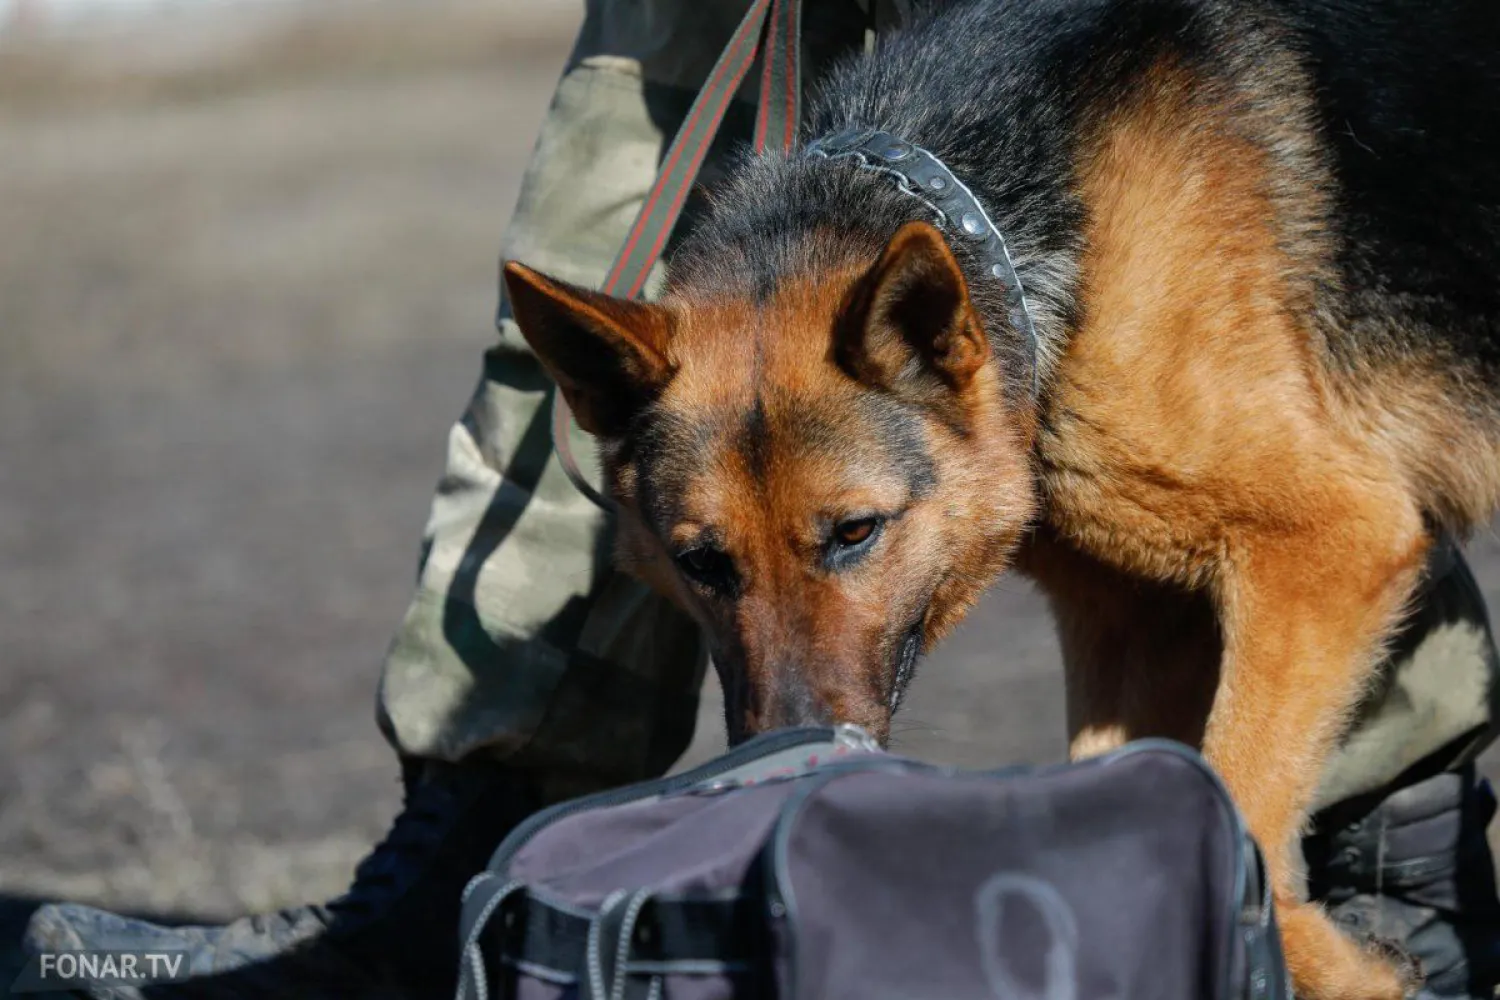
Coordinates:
1303 616
1140 658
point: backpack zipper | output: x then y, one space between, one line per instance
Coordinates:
770 743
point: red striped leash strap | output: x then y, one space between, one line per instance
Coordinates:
770 29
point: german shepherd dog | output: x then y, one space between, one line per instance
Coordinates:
1259 241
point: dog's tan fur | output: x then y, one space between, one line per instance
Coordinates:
1197 439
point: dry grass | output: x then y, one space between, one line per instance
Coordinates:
203 55
246 276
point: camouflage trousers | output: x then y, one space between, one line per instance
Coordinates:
522 641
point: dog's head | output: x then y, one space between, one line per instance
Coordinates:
825 475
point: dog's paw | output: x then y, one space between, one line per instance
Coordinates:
1326 965
1407 965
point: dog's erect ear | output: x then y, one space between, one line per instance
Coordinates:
913 305
608 356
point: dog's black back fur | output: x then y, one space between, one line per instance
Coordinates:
1381 118
1409 99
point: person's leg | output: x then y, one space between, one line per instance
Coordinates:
526 669
1398 851
523 642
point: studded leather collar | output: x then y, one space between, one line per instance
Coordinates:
955 209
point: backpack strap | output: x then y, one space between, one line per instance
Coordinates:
632 939
483 896
771 29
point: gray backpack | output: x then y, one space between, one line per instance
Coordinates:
808 864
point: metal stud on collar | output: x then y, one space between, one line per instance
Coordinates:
955 209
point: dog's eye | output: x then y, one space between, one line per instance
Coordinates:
850 534
707 566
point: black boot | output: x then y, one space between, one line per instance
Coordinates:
1415 871
392 935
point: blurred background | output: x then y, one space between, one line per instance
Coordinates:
247 270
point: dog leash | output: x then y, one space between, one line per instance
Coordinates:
771 29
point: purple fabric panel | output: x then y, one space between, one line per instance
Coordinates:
1090 882
683 844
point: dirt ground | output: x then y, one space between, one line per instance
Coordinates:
246 274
